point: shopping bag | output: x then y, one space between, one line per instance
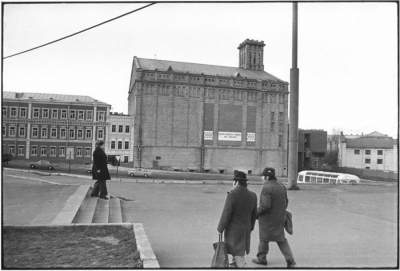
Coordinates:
220 258
288 222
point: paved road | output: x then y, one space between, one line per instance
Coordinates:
335 226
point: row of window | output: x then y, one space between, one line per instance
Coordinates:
378 161
21 112
120 128
281 126
368 152
118 145
49 151
44 132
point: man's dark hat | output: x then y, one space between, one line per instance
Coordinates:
239 176
269 171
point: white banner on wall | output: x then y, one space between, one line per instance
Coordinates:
230 136
208 135
251 137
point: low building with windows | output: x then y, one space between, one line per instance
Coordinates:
120 137
312 148
52 127
372 151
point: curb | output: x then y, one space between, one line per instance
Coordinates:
71 207
147 255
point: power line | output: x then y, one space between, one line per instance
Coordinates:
79 32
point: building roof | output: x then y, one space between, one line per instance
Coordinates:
196 68
50 97
373 140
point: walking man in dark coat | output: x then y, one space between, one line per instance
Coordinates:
271 218
100 171
238 219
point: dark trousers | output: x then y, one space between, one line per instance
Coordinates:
284 247
100 186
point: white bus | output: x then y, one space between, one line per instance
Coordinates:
322 177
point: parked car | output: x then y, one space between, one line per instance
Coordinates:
144 172
42 164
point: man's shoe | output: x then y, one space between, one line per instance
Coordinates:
291 264
260 262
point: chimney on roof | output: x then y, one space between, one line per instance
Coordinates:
251 55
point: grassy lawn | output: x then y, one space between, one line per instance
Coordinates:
70 247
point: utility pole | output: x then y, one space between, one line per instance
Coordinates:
294 109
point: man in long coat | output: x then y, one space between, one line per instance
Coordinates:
271 218
100 171
238 219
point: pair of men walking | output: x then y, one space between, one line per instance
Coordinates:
240 213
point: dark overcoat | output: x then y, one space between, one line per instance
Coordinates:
100 163
272 211
238 219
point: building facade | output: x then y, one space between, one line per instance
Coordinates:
52 127
120 137
312 149
372 151
207 117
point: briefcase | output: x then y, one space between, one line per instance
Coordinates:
288 222
220 258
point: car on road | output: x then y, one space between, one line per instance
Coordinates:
42 164
140 172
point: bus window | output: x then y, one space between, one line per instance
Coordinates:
319 180
300 178
313 179
307 179
326 180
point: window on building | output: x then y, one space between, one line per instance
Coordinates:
126 159
43 133
89 115
63 113
100 134
113 145
127 129
101 116
379 161
35 131
63 133
34 150
21 132
357 152
126 145
119 145
22 112
368 161
61 151
280 140
367 167
281 126
13 112
43 151
11 149
3 130
87 152
45 113
367 151
54 113
79 152
12 131
380 152
80 134
72 114
36 113
120 129
4 111
21 150
113 128
88 133
71 133
52 151
53 132
81 115
281 98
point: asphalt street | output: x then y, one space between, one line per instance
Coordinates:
335 225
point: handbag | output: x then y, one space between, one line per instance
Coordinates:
288 222
220 258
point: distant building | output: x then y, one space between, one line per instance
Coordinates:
311 149
372 151
332 143
52 126
218 118
120 136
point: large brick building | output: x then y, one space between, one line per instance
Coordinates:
52 126
197 116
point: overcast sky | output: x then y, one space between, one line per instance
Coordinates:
347 52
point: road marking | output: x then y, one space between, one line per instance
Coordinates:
37 179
